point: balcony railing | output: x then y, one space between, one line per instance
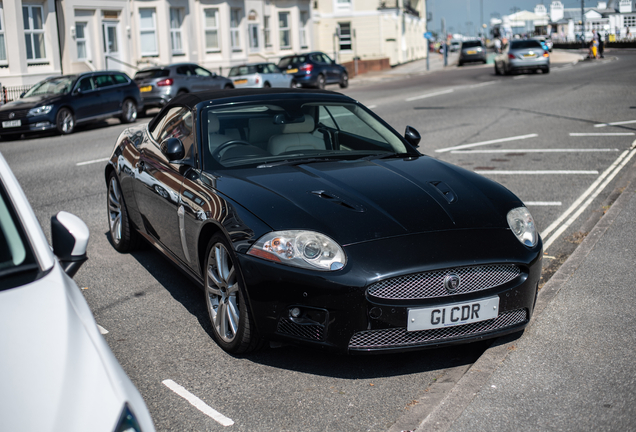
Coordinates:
395 4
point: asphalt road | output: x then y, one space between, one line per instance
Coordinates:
157 321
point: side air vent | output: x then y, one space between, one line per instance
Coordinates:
337 200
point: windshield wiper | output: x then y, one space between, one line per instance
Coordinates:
386 156
299 161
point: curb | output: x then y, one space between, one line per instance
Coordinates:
442 417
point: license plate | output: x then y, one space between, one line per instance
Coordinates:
291 71
471 52
240 81
11 123
529 55
145 89
453 314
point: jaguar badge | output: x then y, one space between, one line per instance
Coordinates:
452 282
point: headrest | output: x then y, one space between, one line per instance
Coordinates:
305 127
213 123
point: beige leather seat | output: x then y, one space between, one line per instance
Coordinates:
215 138
296 137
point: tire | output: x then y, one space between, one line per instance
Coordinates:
228 87
320 83
267 85
292 84
460 64
230 318
123 235
65 121
497 71
344 81
546 70
128 111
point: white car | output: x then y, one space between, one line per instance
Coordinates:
260 75
57 372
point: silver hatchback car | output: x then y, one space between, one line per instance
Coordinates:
260 75
522 55
472 51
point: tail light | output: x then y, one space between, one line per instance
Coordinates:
258 80
306 68
546 54
511 56
165 82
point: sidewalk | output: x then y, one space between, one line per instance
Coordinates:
574 367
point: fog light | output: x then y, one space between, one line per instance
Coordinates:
294 312
42 124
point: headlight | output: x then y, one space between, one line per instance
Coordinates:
127 421
522 225
305 249
44 109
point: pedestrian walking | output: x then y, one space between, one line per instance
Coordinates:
601 44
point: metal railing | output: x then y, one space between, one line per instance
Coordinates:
9 94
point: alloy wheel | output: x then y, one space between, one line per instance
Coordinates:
222 291
114 210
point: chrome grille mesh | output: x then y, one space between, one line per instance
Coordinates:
399 337
312 332
18 113
431 284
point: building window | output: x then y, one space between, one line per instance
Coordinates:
211 30
148 32
344 30
304 18
80 41
284 29
3 49
630 21
343 4
253 37
235 33
34 32
176 19
266 32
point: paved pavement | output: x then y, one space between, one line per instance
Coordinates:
573 368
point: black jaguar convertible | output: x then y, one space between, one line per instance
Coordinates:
308 219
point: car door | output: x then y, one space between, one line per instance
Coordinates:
158 182
205 79
86 99
108 94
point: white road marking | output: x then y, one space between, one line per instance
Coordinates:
543 203
102 330
591 192
198 403
463 146
482 84
603 134
539 172
428 95
615 123
372 106
536 150
92 161
521 77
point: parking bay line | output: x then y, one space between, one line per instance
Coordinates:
463 146
593 150
615 123
577 134
428 95
543 203
92 161
592 192
537 172
198 403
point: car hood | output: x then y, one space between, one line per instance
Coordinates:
56 370
356 201
30 102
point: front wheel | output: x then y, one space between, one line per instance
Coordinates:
224 296
65 121
128 111
321 82
123 235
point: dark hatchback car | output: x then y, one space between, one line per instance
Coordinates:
472 51
308 219
160 84
314 69
63 102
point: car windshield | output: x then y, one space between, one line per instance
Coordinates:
152 73
52 86
292 131
291 61
17 262
521 44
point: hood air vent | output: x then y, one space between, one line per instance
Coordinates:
445 190
337 200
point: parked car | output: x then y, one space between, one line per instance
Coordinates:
314 69
454 45
545 42
56 369
307 219
472 51
161 83
522 55
260 75
65 101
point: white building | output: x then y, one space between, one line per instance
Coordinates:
615 17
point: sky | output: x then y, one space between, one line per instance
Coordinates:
459 12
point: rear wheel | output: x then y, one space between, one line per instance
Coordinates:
228 87
320 82
497 70
546 70
344 81
267 85
123 235
65 121
128 111
225 299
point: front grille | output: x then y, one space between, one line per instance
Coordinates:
399 337
18 114
431 284
305 331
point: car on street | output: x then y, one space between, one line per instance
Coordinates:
522 55
545 42
315 69
63 102
472 51
454 45
307 219
56 369
159 84
260 75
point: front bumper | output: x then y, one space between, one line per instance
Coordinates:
338 311
29 125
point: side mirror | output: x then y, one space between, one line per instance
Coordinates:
22 95
70 238
412 136
77 91
173 149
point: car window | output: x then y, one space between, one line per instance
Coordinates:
176 123
325 58
120 79
347 121
184 70
86 84
521 44
199 71
317 58
102 81
470 44
152 73
273 68
53 86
